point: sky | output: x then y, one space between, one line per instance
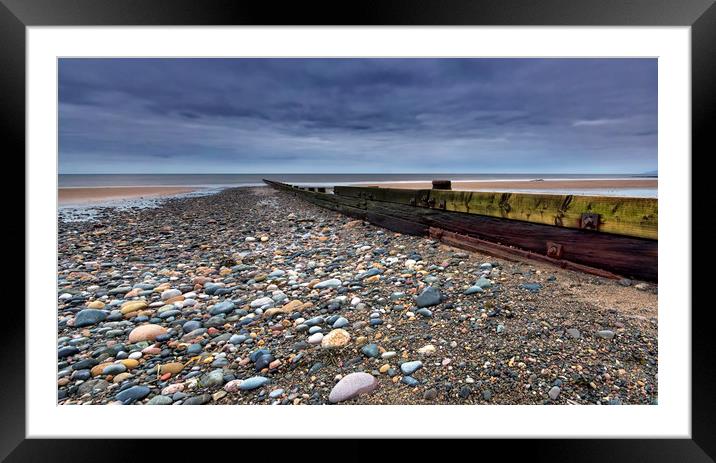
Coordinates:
352 115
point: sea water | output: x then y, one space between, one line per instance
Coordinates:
235 180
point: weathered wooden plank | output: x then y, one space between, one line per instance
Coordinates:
623 216
636 217
392 195
475 244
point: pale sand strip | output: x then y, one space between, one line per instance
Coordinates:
91 195
507 185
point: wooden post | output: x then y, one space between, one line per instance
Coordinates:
442 185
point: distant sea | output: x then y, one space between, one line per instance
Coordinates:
231 180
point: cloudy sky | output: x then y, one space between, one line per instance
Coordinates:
357 115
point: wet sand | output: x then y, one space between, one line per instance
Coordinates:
91 195
508 185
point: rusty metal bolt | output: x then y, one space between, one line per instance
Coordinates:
590 221
554 250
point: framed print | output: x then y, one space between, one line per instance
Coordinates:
434 220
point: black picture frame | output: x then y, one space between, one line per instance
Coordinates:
700 15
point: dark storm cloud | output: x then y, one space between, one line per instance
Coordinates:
357 115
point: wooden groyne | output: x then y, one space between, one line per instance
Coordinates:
608 236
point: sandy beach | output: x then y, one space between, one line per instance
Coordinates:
99 194
508 185
253 296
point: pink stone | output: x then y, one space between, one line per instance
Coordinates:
173 388
351 386
275 364
146 333
233 385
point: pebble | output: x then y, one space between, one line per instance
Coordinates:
605 334
335 339
410 381
408 368
352 385
198 400
464 392
315 338
173 389
429 297
483 283
263 362
146 333
213 379
132 394
114 369
160 400
341 322
427 350
261 302
170 293
473 290
88 317
430 394
554 392
253 383
314 321
332 283
233 385
370 350
222 307
133 306
67 351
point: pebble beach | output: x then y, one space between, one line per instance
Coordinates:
252 296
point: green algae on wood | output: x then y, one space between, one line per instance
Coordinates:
636 217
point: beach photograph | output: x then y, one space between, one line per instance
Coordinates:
357 231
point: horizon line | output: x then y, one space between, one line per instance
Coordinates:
357 173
